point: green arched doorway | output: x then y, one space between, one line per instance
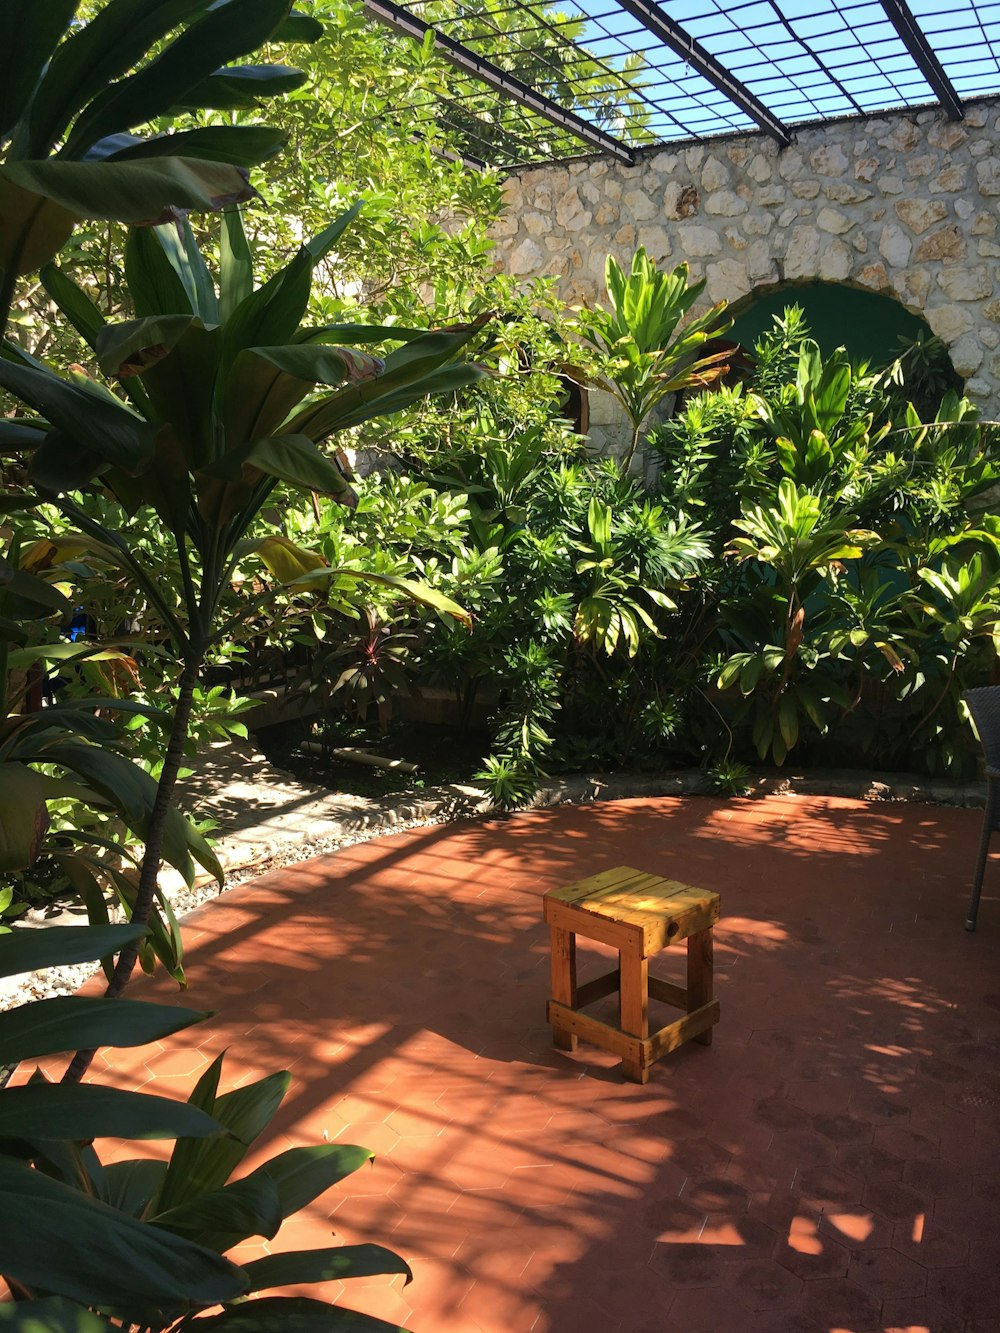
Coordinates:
868 324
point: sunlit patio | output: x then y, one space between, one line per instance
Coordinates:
830 1163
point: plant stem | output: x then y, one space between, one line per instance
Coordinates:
162 805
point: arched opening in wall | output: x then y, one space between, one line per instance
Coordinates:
871 326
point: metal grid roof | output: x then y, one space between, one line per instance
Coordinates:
543 80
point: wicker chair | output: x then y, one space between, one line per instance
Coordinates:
984 705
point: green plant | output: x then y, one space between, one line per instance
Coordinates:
220 409
74 91
641 357
140 1244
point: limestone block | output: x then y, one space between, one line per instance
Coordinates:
569 207
726 280
874 276
949 322
895 246
860 242
681 199
980 388
964 283
607 214
946 244
641 206
807 189
912 286
966 355
950 180
979 149
992 312
984 225
890 185
758 169
770 196
947 134
791 164
835 261
656 240
537 224
663 163
829 160
833 221
989 338
919 214
760 263
758 224
506 224
525 258
846 192
964 208
988 249
867 169
697 241
589 192
693 158
625 235
977 116
988 176
803 254
714 175
737 241
903 137
919 165
787 217
725 204
738 153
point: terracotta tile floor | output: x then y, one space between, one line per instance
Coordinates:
829 1165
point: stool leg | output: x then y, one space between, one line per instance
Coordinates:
563 981
634 1001
699 977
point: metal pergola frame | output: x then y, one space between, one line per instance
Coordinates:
643 77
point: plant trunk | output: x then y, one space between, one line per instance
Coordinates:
145 895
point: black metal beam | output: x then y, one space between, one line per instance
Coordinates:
902 19
401 20
661 25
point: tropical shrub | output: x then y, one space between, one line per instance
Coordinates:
88 1245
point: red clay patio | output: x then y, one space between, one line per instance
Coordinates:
830 1165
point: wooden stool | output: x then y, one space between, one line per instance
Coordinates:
637 914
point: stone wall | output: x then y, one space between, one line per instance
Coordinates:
906 204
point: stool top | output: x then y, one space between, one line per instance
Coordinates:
663 910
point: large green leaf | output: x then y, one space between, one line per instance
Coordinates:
56 1239
235 263
266 383
32 228
182 251
128 1186
29 32
52 1315
418 592
154 284
294 1314
74 303
112 433
227 31
240 145
225 1217
331 1264
293 459
82 1023
241 87
299 27
303 1174
118 37
198 1168
24 816
134 345
133 192
89 1111
58 946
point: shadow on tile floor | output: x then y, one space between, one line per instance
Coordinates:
829 1165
